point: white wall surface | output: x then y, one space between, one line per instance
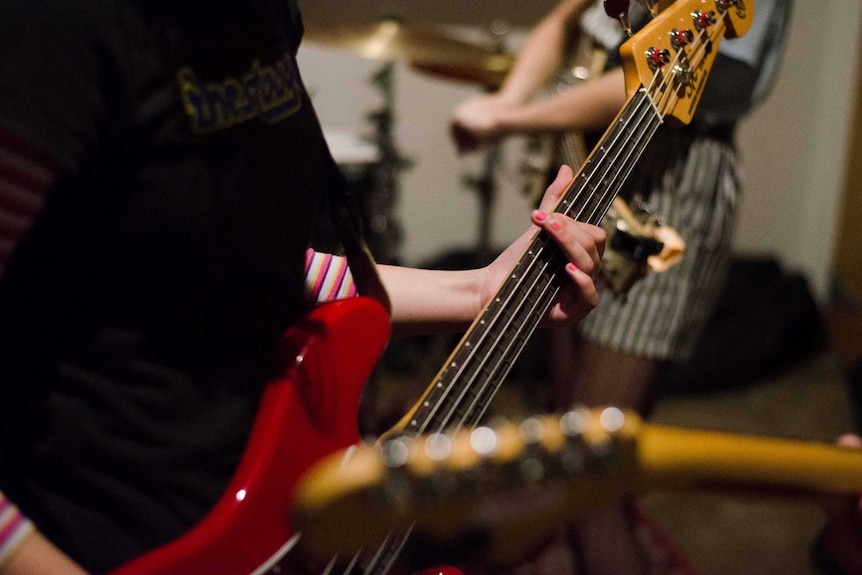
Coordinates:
793 147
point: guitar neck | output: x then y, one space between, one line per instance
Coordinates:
471 376
549 470
694 459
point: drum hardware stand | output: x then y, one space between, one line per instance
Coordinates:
485 184
385 233
485 187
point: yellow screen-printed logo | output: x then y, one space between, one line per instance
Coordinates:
268 93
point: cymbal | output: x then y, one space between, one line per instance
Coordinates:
427 48
489 73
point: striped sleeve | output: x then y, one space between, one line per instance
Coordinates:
25 180
14 528
327 278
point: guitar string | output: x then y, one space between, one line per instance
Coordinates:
541 275
459 399
540 304
527 276
387 552
445 395
354 561
541 272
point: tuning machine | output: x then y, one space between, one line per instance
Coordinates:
619 10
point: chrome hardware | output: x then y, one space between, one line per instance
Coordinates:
619 10
703 19
680 38
657 57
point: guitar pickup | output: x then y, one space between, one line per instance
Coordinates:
634 248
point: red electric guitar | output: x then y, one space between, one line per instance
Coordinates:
310 410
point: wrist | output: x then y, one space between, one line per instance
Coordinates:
511 98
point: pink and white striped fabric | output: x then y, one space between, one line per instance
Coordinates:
327 278
14 527
25 180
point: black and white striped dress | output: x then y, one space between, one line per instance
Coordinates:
693 184
694 187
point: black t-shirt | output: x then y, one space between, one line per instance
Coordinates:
138 316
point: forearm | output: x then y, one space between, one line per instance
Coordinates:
25 551
38 556
587 106
425 301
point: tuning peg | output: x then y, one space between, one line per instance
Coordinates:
680 38
619 10
574 422
703 19
396 452
612 419
483 440
649 6
438 446
657 57
531 430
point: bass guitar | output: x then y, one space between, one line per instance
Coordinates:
310 410
508 486
638 243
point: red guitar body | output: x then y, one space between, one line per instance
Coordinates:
309 410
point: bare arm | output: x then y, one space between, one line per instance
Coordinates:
474 122
543 51
38 556
589 105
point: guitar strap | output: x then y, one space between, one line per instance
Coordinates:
344 213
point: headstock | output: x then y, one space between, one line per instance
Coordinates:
506 489
500 481
672 55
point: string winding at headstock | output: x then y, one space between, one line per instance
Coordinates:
671 57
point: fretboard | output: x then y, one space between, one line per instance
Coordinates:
473 373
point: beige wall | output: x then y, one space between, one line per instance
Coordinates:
794 147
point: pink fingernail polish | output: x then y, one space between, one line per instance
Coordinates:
571 267
556 226
541 216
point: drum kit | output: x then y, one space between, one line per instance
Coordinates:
373 164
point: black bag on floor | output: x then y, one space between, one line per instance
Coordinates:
765 320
